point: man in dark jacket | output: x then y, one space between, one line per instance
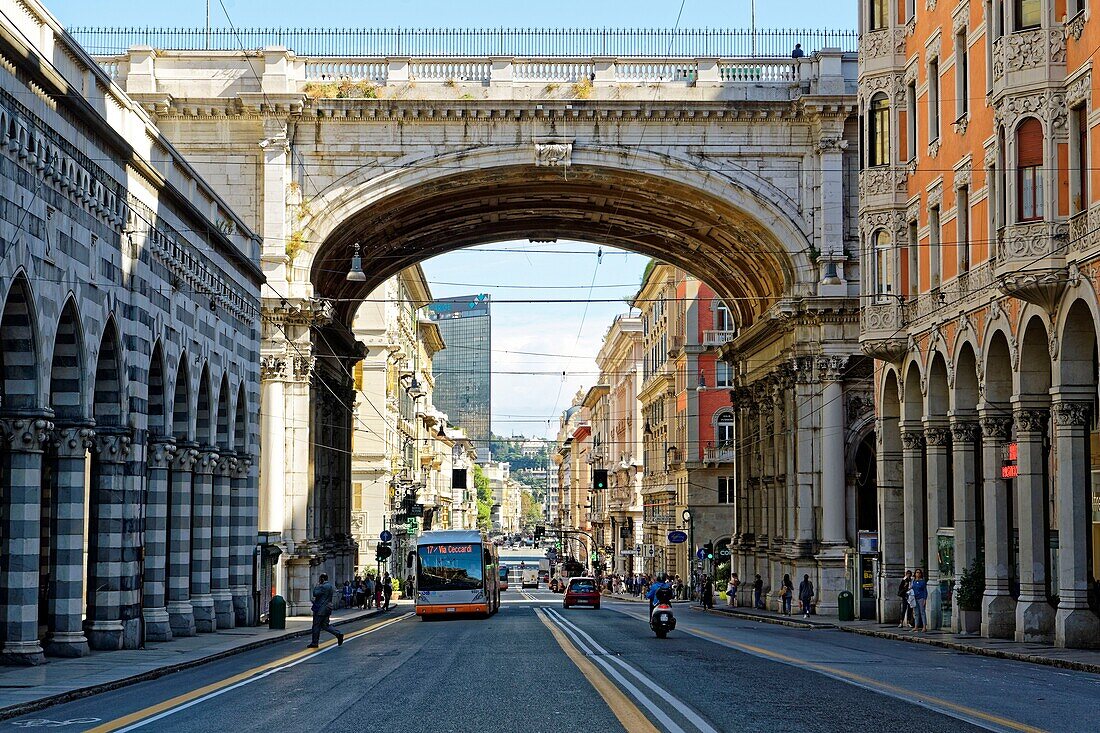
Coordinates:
323 594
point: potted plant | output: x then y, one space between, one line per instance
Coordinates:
968 597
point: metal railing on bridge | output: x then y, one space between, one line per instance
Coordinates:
473 42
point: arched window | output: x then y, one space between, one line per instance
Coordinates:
878 131
884 264
1029 170
723 429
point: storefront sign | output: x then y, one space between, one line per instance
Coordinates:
676 536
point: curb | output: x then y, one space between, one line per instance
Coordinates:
778 621
983 651
13 711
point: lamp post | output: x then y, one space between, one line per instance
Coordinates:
691 541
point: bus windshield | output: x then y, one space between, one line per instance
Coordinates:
449 567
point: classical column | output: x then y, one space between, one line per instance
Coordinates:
180 612
104 621
998 606
22 532
202 491
1075 624
66 592
806 457
219 551
891 530
937 457
833 502
242 539
964 434
154 603
273 455
912 471
1034 614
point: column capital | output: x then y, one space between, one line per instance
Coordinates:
964 431
113 444
1072 413
186 456
227 464
243 465
1031 420
73 441
162 452
272 368
912 438
831 368
996 427
26 433
936 436
207 461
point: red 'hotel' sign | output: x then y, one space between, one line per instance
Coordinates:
1009 468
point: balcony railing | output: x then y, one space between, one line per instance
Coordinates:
717 338
719 454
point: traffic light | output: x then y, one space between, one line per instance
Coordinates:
539 531
599 479
382 551
708 551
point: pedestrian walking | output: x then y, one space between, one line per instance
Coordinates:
786 594
919 590
370 591
806 595
708 593
348 594
731 591
387 590
323 594
758 591
906 607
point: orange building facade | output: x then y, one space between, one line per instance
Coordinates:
980 253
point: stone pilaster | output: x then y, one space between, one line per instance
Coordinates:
219 553
964 436
180 612
912 466
104 626
202 492
1034 614
162 451
242 540
998 606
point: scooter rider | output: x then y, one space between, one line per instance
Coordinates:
662 583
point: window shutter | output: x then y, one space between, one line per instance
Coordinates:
1029 143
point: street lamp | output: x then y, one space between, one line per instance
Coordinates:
355 273
686 514
414 389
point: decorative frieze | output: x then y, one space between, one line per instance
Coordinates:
996 427
1072 414
964 431
1074 27
1028 50
912 439
1031 420
1078 91
553 153
937 437
1047 105
881 181
273 367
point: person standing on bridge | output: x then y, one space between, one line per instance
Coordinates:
323 594
797 53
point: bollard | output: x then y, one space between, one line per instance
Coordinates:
276 613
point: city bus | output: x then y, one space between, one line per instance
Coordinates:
457 571
504 577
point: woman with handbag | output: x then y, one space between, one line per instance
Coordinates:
731 591
906 605
786 593
919 591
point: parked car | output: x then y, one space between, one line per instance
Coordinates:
581 592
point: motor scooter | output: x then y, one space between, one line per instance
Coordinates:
661 618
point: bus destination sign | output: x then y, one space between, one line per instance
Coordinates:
448 549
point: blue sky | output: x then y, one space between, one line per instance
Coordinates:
525 399
440 13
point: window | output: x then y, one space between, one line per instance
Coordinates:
878 142
884 264
723 432
725 489
962 76
723 319
911 120
1079 160
934 260
1029 14
878 15
910 9
933 100
1029 170
914 259
962 227
723 376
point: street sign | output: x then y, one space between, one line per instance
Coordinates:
416 510
628 553
677 536
700 553
385 535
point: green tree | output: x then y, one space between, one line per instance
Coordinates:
484 499
531 511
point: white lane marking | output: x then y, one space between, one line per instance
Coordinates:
626 684
47 723
681 707
250 680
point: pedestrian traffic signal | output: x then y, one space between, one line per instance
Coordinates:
708 551
383 551
599 479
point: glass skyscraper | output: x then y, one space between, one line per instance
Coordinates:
463 384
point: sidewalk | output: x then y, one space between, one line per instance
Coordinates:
26 689
1081 660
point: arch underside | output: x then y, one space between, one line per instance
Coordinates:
731 250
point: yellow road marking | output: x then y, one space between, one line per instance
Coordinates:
867 681
626 711
215 686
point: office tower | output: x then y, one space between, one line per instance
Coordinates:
463 384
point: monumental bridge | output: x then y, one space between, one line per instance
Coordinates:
712 150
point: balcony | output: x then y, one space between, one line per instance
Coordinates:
1031 262
882 335
717 338
719 454
1026 58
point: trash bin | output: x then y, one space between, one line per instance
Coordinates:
845 606
276 613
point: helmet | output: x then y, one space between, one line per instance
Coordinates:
662 577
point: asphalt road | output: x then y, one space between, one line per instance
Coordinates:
534 667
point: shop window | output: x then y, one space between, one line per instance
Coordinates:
1028 14
884 265
878 143
1029 170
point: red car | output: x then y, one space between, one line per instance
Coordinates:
581 592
